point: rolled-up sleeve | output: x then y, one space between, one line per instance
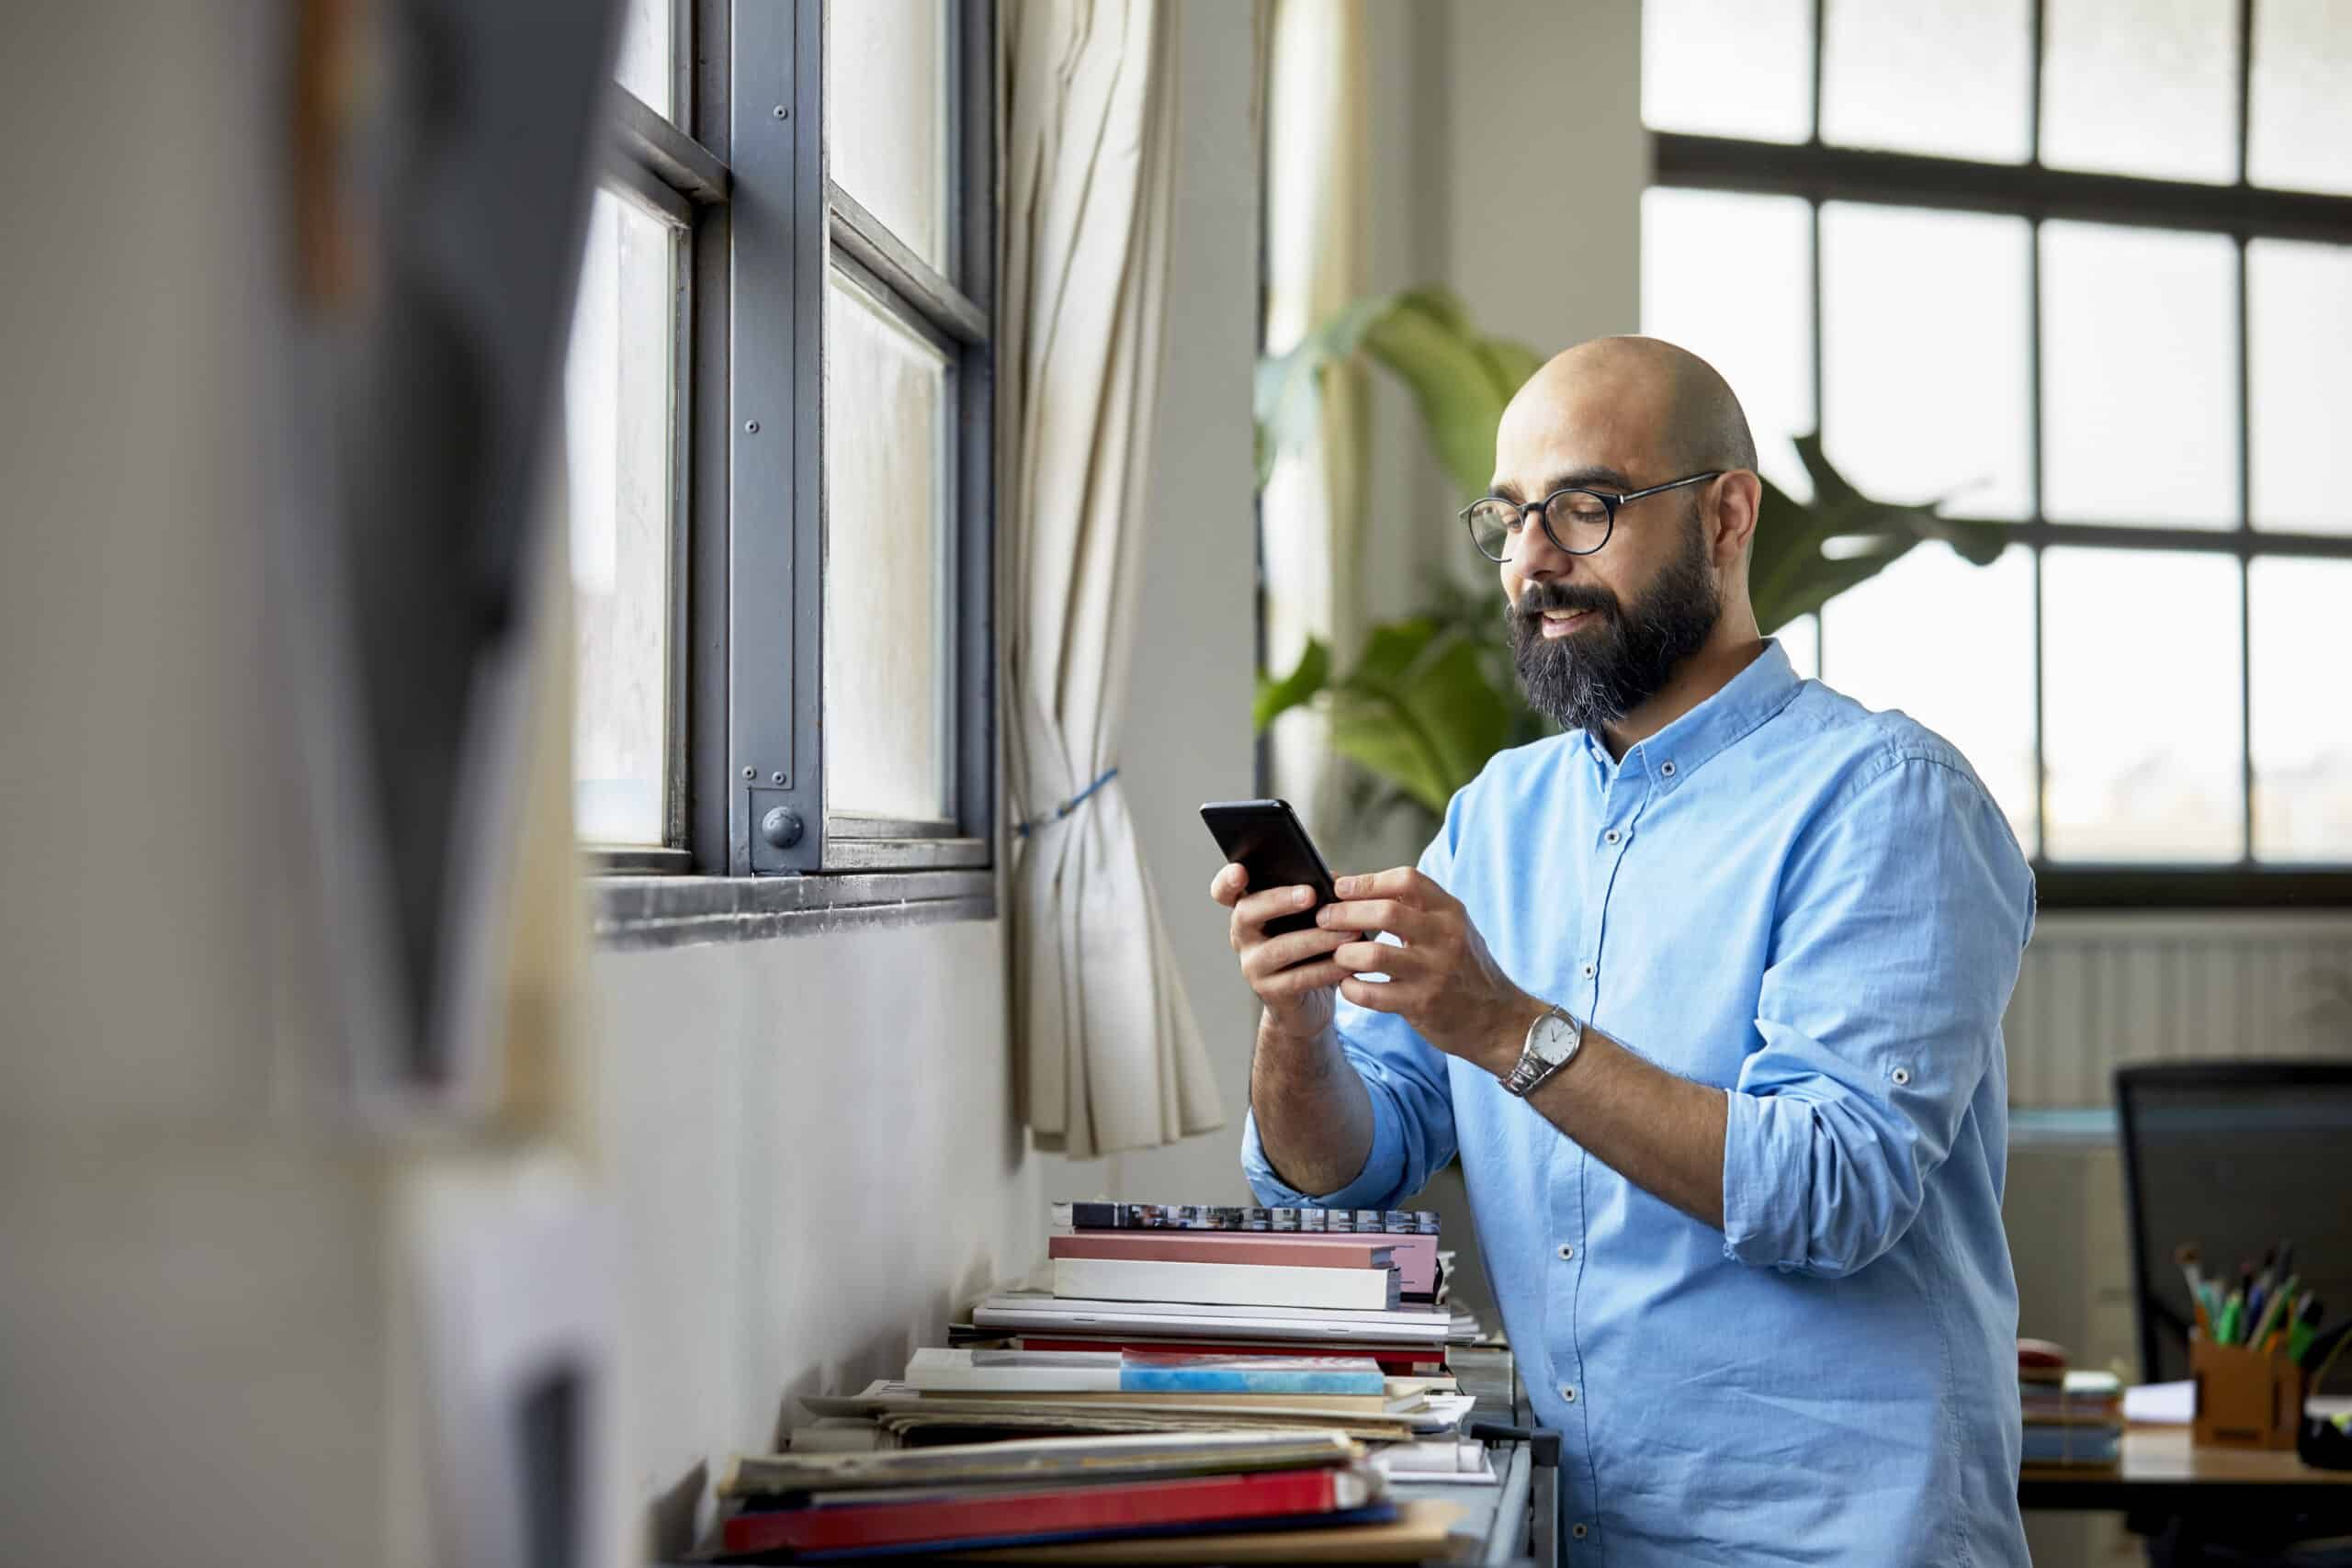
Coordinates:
1907 910
1412 1119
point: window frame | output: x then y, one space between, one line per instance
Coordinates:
743 170
1820 172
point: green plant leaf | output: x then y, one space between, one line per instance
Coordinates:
1307 678
1451 384
1288 392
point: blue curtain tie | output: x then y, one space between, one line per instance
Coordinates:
1023 829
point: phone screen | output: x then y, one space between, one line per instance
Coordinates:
1264 838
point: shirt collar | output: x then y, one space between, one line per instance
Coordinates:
1687 744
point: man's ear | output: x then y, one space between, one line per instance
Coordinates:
1737 495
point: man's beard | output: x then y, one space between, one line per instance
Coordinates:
1621 658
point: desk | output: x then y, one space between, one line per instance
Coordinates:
2162 1471
1516 1520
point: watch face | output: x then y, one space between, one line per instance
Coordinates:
1556 1039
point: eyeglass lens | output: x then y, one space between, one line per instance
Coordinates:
1578 522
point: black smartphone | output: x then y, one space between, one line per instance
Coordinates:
1263 837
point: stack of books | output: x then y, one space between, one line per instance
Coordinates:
1236 1282
2071 1418
1171 1498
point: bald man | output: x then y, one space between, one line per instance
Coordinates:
1705 993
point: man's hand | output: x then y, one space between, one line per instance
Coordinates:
1293 973
1443 981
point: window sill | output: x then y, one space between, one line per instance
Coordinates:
637 912
2273 888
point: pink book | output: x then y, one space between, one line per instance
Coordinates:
1414 1255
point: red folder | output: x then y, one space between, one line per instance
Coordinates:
1076 1511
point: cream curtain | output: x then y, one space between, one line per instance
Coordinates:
1111 1059
1317 168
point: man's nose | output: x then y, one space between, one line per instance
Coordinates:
1538 559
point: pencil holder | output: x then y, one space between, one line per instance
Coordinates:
2245 1399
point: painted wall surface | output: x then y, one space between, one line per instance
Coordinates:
814 1138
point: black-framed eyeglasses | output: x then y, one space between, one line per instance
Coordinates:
1578 521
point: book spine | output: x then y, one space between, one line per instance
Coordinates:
1396 1361
1236 1379
1292 1252
1071 1512
1222 1284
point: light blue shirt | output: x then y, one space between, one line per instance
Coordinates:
1820 910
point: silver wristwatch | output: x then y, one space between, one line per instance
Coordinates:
1551 1043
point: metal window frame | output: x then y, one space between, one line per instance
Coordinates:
746 180
1819 172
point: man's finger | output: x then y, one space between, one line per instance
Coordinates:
1377 958
1299 979
1274 954
1375 915
1228 885
1373 996
1273 903
1404 884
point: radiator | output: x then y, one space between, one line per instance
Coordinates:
2098 991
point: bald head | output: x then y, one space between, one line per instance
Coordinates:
1694 423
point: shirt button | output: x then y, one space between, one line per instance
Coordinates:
1667 768
1577 1530
1569 1392
1567 1253
1901 1076
1612 835
1588 971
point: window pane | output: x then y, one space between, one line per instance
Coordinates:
618 433
2138 375
1889 79
1730 278
886 561
2301 133
1925 344
644 64
2139 703
1888 643
1728 67
2302 724
2141 87
885 116
2298 305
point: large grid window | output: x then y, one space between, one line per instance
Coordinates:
777 412
2096 287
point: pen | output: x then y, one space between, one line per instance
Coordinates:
2271 1314
2225 1331
2305 1326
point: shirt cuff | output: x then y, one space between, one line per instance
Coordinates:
1375 1186
1761 1225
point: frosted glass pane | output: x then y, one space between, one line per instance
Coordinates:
2141 87
2298 305
1730 278
2138 375
2302 724
1728 67
2139 698
1889 642
1890 76
1926 346
1800 640
617 400
644 63
885 116
2300 136
886 561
